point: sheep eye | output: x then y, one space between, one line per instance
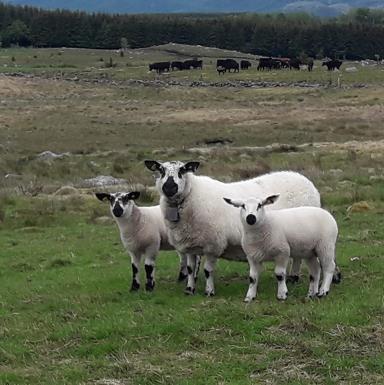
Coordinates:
160 173
259 206
181 172
243 207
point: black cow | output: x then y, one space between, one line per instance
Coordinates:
266 63
332 64
160 66
177 65
228 64
245 64
295 63
195 64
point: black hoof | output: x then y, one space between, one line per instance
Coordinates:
336 278
209 293
293 278
182 277
135 286
149 286
189 291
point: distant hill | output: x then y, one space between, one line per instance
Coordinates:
326 8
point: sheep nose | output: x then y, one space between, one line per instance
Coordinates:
117 211
251 219
170 187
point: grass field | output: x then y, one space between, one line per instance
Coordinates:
66 313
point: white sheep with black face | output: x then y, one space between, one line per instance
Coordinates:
309 233
143 233
199 222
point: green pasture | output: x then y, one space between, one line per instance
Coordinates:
67 316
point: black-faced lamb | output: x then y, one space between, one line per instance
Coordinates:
309 233
143 234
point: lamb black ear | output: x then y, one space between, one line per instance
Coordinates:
270 200
191 166
236 203
103 196
134 195
153 165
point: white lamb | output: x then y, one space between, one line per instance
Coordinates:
304 232
199 222
143 233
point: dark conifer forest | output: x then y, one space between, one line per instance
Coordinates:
357 35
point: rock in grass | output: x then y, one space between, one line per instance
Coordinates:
49 155
102 180
359 207
67 190
336 172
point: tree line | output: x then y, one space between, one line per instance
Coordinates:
360 34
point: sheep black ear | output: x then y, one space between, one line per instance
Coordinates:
191 166
235 203
153 165
134 195
228 201
270 200
103 196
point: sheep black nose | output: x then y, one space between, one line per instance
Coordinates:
117 211
251 219
170 187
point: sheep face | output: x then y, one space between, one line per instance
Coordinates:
172 178
121 203
252 209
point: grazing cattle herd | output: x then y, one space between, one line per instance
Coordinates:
273 217
270 63
232 65
161 67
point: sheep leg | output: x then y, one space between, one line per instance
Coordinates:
281 261
209 268
135 260
295 270
336 275
254 271
183 274
149 265
314 276
327 259
197 267
191 282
